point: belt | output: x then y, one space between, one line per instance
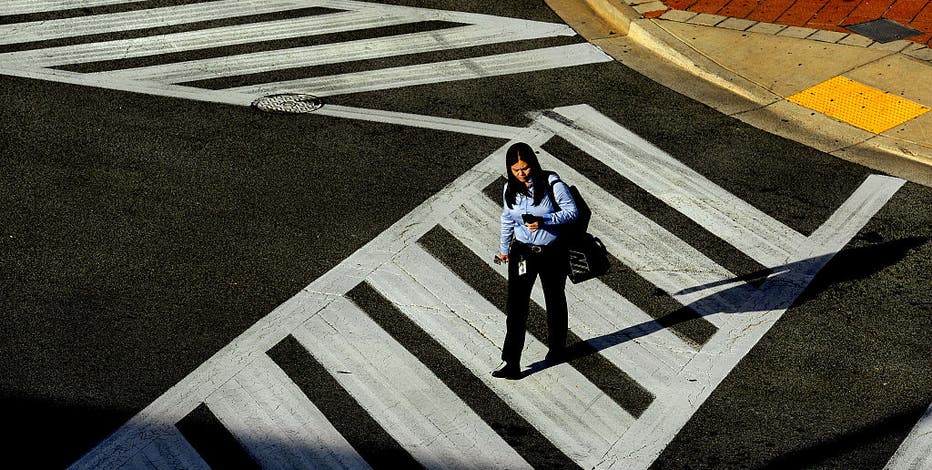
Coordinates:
531 248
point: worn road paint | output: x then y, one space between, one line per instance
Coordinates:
17 33
206 38
437 72
334 53
603 435
760 236
916 451
400 393
277 423
160 79
23 7
680 381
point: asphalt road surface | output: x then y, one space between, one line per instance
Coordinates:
168 252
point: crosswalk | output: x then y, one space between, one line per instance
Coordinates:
419 407
96 53
566 415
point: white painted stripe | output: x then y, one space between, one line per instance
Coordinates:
150 88
309 56
22 7
595 309
159 418
256 432
852 215
915 453
161 415
141 462
669 413
273 419
469 327
205 38
446 15
652 251
402 394
303 423
438 72
422 121
636 448
240 99
140 19
755 233
170 453
155 420
763 307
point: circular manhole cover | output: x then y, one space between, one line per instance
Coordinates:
289 103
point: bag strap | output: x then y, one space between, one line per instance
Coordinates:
553 198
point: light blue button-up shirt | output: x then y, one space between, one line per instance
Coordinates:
513 224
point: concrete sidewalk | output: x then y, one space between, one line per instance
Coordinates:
820 84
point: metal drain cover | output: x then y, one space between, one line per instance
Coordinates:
883 30
288 103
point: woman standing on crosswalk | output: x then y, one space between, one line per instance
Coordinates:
535 204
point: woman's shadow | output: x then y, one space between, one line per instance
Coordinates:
779 291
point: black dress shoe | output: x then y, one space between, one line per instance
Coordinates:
507 371
554 356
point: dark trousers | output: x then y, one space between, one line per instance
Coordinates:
551 266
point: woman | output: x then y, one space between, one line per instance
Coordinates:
531 246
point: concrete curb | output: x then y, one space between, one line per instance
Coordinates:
647 33
763 108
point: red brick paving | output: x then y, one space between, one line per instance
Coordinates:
906 8
827 17
868 10
738 8
800 13
767 11
680 4
924 15
832 15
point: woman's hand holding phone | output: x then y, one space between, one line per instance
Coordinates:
532 222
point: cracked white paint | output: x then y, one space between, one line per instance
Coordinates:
331 53
400 393
478 30
23 7
597 309
577 432
915 453
139 19
587 426
202 39
758 235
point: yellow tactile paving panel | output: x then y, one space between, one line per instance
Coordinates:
858 104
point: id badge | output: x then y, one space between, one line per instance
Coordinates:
522 267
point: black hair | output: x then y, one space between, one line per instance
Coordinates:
523 152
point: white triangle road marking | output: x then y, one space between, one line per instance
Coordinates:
43 30
436 72
479 29
275 421
24 7
334 53
205 38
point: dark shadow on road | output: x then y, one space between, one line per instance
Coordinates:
899 423
209 440
62 428
860 263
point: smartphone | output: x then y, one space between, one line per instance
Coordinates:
528 218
